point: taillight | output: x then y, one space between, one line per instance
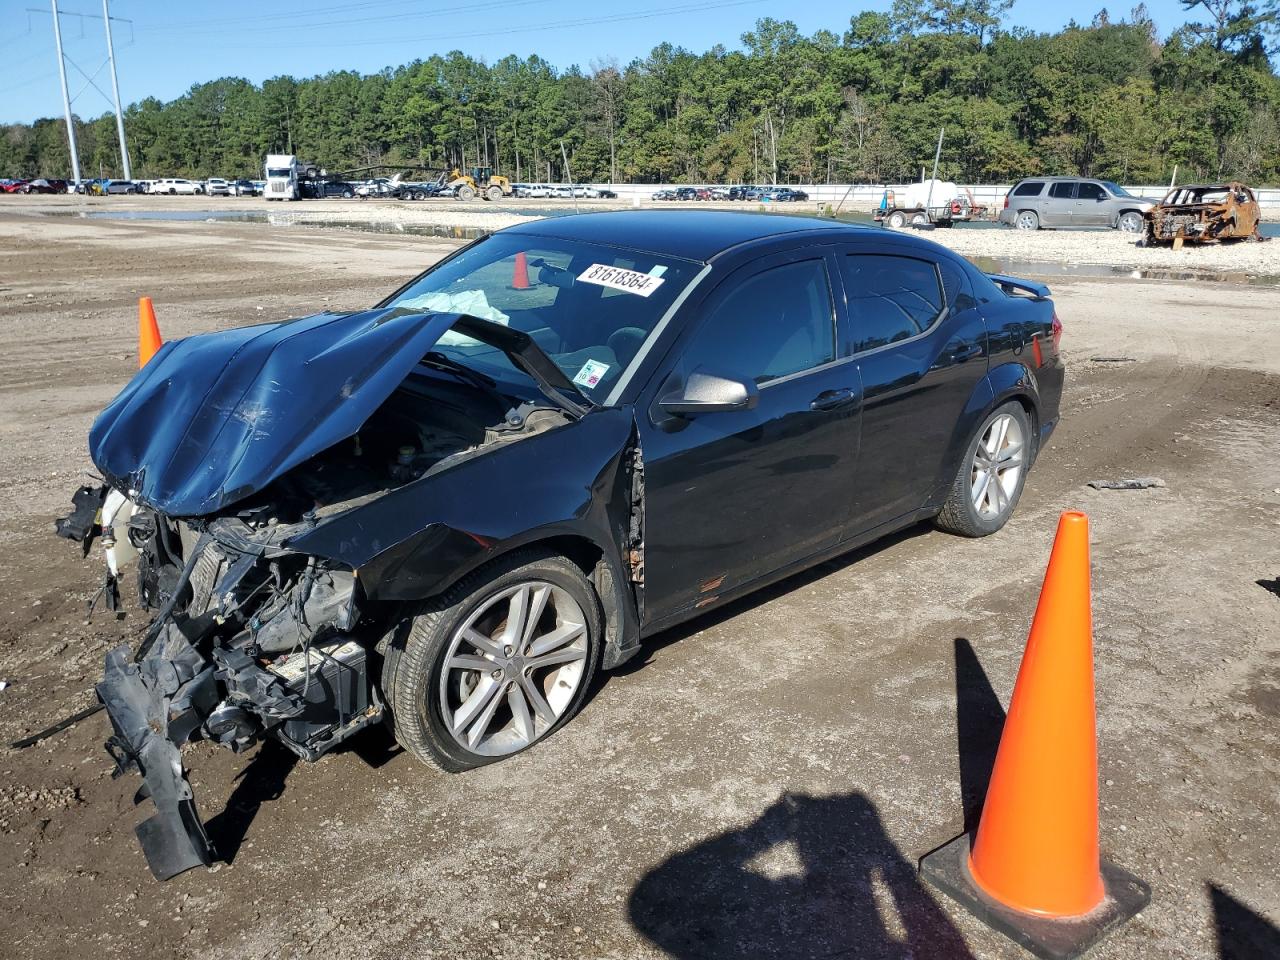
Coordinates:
1057 332
1006 201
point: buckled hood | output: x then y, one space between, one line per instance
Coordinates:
216 417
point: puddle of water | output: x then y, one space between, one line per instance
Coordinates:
1039 268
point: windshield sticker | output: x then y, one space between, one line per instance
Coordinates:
629 281
658 270
591 373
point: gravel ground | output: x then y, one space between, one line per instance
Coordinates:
760 783
1112 248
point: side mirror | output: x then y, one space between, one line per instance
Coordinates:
707 392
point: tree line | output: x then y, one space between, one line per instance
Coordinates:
1107 99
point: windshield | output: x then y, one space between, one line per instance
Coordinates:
1115 189
277 171
589 307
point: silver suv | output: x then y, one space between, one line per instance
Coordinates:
1073 202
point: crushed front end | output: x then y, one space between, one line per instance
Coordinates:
250 639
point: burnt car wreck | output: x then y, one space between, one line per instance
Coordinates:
1204 213
450 511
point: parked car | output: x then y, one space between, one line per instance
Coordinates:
531 480
12 186
1038 202
243 188
686 193
1204 213
520 190
328 189
217 187
664 194
41 185
604 193
174 185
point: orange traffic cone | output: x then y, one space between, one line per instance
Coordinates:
148 332
520 275
1033 869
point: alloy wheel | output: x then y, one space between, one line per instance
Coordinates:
1027 221
997 467
512 668
1131 222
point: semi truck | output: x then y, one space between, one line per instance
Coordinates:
285 175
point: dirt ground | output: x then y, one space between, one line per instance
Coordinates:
761 782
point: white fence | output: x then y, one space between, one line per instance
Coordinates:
861 196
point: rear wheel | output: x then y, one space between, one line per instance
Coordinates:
494 193
466 192
992 474
897 219
1027 220
497 664
919 220
1130 222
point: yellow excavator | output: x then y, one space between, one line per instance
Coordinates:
478 181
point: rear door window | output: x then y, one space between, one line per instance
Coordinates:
1064 190
891 298
1029 188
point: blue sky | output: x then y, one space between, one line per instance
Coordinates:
172 45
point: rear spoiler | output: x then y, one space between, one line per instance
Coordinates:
1011 285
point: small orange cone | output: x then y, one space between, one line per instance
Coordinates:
1033 870
520 275
148 332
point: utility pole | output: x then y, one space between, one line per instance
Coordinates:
66 99
115 89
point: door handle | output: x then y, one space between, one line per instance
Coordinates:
831 399
968 353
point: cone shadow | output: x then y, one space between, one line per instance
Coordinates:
979 723
1242 933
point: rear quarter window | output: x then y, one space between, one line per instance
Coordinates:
1029 188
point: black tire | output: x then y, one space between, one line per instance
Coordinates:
959 514
347 194
897 219
415 651
1026 220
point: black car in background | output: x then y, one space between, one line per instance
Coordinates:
323 189
449 511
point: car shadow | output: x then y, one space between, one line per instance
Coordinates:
1242 933
810 877
762 596
261 781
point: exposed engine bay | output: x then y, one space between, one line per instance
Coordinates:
253 637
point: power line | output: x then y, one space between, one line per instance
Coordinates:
304 21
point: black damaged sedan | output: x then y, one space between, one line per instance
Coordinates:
449 511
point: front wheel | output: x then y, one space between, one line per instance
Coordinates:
466 192
992 474
1130 222
1027 220
897 220
498 663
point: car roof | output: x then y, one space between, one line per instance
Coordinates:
1067 177
691 235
